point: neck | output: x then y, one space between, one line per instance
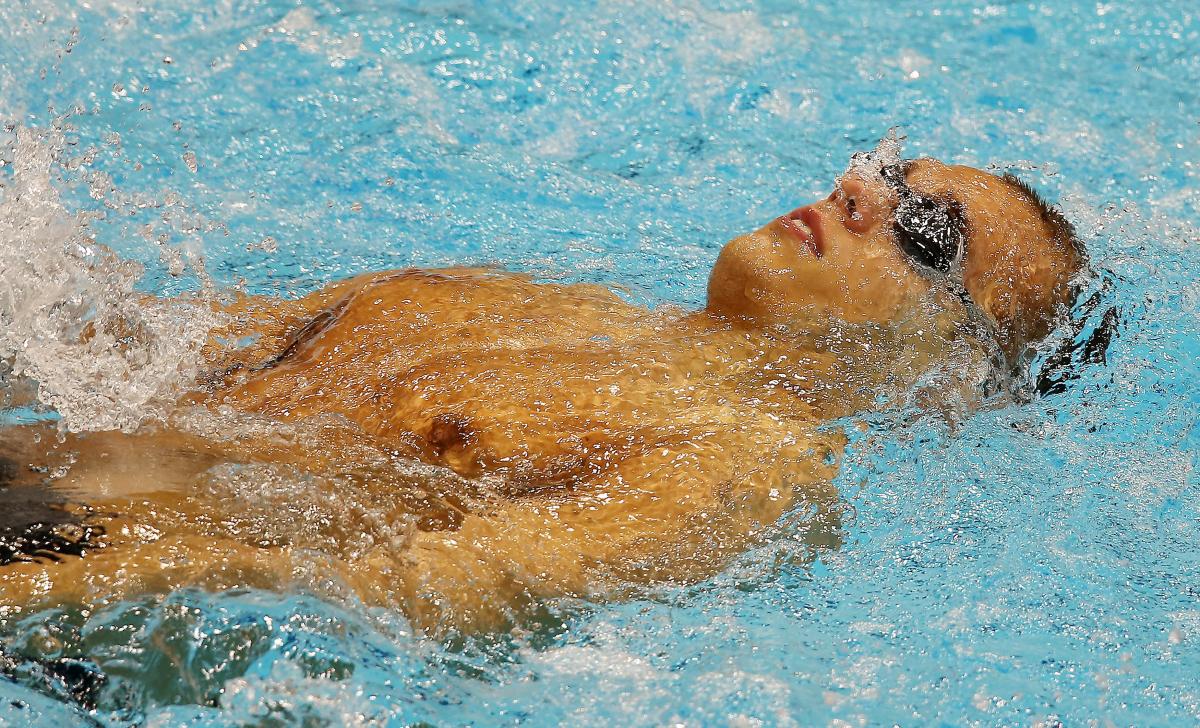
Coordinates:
838 367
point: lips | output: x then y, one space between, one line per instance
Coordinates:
804 225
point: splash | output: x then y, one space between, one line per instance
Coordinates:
102 355
886 153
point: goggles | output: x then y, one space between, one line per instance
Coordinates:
931 232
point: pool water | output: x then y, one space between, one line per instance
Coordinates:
1035 564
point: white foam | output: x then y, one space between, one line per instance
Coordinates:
103 356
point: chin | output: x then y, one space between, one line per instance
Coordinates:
736 277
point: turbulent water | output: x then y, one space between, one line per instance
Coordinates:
71 324
1036 563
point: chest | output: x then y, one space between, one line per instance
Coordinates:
509 378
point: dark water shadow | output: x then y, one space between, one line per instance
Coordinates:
35 522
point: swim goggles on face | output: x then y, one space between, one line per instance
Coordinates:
929 231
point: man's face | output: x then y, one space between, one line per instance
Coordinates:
840 256
835 256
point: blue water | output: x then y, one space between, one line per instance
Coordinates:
1037 563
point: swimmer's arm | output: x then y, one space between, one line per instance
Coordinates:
678 516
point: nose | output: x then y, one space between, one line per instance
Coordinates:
860 206
853 187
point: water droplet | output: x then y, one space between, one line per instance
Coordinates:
267 245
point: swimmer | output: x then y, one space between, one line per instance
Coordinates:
466 444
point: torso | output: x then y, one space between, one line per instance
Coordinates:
567 439
540 383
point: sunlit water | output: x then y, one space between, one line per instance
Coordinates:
1039 562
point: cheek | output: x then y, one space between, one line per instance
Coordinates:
897 290
877 284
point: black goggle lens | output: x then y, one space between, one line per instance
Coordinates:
928 230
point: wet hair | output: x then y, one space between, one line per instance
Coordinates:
1061 229
1093 325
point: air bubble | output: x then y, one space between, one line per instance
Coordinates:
267 245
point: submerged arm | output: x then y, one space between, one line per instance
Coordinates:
673 514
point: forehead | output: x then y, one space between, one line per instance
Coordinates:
991 204
1006 232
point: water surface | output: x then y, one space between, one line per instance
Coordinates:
1035 564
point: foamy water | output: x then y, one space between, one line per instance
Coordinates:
71 320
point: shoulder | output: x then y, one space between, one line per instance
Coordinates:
477 284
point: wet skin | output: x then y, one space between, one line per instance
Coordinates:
464 444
